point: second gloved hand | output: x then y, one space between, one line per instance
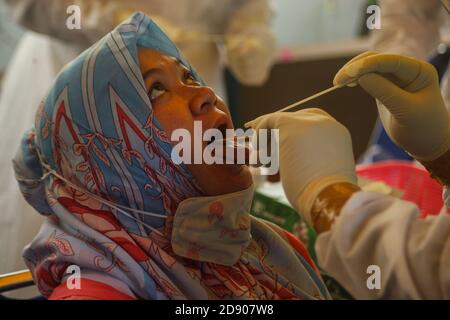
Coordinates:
315 152
250 57
409 100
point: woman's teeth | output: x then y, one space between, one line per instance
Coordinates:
237 153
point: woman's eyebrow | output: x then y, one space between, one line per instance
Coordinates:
181 65
184 68
151 72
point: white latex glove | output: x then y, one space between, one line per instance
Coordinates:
409 100
250 57
315 151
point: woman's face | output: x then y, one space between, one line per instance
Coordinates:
178 100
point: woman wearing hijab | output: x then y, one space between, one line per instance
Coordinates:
248 43
97 164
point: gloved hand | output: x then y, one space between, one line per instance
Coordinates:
250 57
409 101
315 151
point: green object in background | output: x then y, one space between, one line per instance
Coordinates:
271 204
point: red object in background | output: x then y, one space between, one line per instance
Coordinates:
286 55
414 181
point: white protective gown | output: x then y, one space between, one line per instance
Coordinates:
40 55
412 28
413 255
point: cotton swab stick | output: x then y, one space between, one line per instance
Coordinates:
319 94
291 106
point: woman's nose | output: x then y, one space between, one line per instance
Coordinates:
203 100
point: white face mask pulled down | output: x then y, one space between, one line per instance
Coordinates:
212 229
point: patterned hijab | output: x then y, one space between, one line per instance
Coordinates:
96 129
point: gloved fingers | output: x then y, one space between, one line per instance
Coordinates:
427 76
273 120
263 122
385 91
405 69
389 122
342 79
361 56
386 118
312 115
266 122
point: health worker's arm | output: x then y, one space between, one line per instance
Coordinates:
370 230
360 231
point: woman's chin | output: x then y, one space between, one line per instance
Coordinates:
223 178
235 168
238 177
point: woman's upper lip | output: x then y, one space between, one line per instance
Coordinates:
222 128
221 122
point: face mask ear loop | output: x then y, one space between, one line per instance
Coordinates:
99 199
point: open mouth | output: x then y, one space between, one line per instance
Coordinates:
231 149
223 130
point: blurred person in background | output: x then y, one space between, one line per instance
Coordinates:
201 29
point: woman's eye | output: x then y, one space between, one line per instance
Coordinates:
156 91
190 79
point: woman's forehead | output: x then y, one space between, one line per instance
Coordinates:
151 58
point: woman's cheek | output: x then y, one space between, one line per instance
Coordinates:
173 117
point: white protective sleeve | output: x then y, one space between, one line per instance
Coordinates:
409 27
413 255
50 16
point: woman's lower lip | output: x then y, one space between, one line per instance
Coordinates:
233 154
238 155
236 168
